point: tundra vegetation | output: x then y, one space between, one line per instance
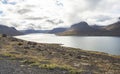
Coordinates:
54 57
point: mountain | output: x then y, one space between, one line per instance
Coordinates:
57 30
98 27
9 31
114 27
29 31
83 29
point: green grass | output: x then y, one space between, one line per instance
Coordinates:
51 66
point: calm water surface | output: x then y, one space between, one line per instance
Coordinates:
109 45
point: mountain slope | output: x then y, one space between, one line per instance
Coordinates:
9 31
29 31
114 27
98 27
57 30
82 29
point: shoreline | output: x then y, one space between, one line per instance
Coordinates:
54 57
63 45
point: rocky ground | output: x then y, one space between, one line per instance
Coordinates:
15 67
23 57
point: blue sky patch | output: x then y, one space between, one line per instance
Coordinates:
1 12
6 2
12 3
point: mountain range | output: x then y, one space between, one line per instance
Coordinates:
29 31
53 31
57 30
83 29
79 29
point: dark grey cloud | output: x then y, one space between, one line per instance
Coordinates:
30 6
23 11
92 4
59 3
35 18
54 22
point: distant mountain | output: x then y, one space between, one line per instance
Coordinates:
114 27
11 31
98 27
29 31
57 30
83 29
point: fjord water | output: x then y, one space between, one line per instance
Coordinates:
106 44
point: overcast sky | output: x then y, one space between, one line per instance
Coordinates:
47 14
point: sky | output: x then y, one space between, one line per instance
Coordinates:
48 14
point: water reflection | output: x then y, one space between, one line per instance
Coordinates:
103 44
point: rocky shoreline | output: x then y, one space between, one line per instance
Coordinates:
53 59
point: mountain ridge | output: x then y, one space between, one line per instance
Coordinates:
11 31
83 29
57 30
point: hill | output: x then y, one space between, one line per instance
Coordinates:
9 31
29 31
83 29
57 30
115 27
98 27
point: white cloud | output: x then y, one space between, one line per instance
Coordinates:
37 12
92 10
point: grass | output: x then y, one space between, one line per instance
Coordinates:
50 66
52 57
41 63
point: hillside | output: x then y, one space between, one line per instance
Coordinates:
114 27
83 29
27 57
98 27
9 31
29 31
57 30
